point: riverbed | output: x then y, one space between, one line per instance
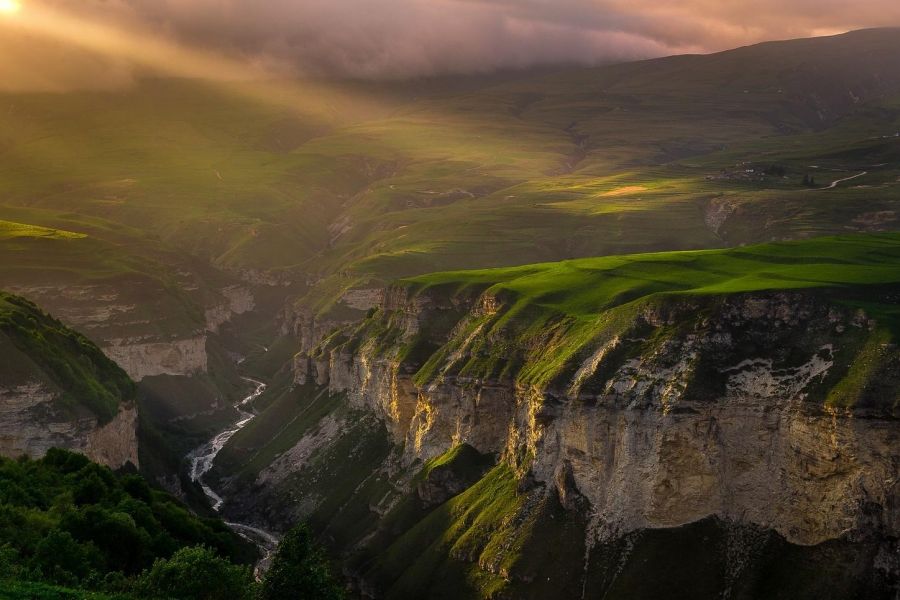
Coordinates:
201 462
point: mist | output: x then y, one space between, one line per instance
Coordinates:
393 39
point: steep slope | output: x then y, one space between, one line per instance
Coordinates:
58 390
740 403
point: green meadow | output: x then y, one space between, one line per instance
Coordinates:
555 312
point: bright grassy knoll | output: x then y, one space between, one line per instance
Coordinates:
9 229
582 287
560 310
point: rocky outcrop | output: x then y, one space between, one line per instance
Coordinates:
717 407
116 318
115 444
143 358
33 419
237 300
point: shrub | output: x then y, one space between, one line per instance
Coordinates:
197 573
300 570
63 560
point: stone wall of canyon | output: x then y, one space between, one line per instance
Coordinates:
725 417
33 420
142 346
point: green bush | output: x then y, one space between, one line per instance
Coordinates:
197 573
300 570
70 522
63 560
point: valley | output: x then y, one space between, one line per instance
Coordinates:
625 331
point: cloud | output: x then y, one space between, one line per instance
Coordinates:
403 38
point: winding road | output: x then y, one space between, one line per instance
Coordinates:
201 462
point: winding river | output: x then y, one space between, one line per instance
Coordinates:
201 462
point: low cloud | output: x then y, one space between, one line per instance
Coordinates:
408 38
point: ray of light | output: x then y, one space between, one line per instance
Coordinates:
313 99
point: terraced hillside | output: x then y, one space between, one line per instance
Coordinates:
57 389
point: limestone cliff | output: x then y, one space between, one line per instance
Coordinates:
142 357
31 424
148 334
725 413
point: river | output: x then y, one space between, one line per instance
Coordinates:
201 462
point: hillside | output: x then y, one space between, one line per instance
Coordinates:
59 390
562 309
626 158
666 154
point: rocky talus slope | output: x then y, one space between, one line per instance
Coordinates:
59 390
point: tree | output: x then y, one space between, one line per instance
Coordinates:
300 570
197 573
61 559
9 562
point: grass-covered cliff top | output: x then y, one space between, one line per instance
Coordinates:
581 288
38 347
556 314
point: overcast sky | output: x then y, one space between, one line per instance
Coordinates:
400 38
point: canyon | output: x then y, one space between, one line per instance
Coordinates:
731 409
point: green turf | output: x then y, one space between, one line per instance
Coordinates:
577 301
23 590
9 230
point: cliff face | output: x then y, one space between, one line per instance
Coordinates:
141 357
776 410
148 335
58 390
31 424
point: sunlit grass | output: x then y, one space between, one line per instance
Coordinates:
9 230
574 301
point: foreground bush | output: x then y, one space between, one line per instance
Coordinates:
300 570
198 574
